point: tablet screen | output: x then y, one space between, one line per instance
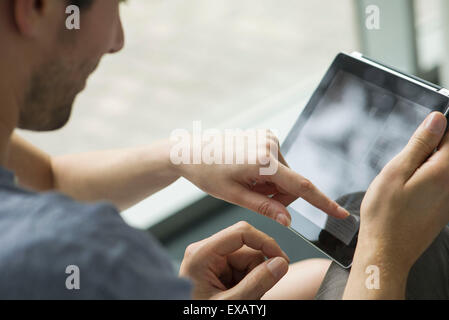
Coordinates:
353 130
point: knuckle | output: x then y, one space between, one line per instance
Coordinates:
264 208
271 240
268 144
420 143
274 146
270 149
391 172
270 136
273 137
269 133
305 186
191 250
243 226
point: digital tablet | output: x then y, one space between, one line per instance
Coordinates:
361 115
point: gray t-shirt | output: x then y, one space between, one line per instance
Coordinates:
46 238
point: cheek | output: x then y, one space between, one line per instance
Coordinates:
92 44
100 28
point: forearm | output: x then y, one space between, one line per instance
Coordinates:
375 276
31 165
123 177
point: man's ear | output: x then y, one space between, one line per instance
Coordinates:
30 15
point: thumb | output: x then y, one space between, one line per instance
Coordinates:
259 280
422 145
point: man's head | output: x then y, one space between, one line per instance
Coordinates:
53 63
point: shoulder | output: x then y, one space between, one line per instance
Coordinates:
42 216
48 234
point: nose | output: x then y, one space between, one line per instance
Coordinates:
119 39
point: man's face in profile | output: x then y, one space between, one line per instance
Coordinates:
65 60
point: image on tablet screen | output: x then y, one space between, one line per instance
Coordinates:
352 133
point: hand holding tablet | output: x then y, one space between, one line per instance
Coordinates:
404 210
410 195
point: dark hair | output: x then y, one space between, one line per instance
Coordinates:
82 4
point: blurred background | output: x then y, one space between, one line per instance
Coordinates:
234 64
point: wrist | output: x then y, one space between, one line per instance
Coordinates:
383 251
376 274
163 149
184 153
376 255
174 158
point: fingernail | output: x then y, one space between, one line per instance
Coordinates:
283 219
435 123
277 267
343 212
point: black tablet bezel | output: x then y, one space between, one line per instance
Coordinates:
421 93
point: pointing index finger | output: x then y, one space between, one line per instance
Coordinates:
298 186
